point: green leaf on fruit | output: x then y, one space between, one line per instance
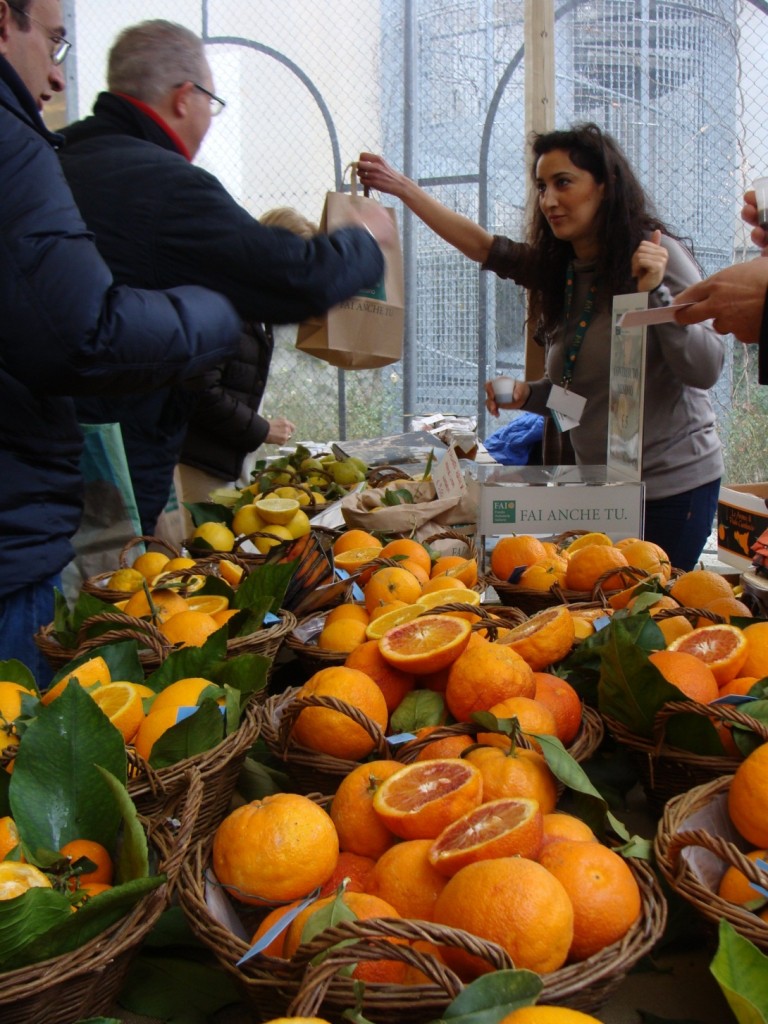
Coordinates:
418 709
491 997
201 731
741 971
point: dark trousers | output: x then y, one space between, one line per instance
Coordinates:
682 523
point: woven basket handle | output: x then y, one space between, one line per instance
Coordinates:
720 712
628 574
370 940
146 539
293 709
128 628
467 540
183 825
721 847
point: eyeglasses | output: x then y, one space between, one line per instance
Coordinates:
61 46
217 105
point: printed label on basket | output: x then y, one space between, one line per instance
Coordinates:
400 738
278 927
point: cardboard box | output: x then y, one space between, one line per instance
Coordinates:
550 500
742 515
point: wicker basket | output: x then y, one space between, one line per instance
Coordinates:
309 770
219 768
154 646
97 585
695 844
87 981
667 771
276 987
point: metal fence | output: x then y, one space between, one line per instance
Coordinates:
437 86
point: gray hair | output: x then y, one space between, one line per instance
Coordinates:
148 60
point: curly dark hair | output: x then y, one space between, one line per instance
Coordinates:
626 215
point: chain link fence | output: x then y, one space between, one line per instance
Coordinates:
437 86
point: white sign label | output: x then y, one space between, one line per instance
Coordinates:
448 476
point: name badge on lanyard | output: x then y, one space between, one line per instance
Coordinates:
565 406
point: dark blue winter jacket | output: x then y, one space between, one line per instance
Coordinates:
66 329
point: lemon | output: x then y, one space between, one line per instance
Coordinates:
219 536
320 499
275 535
179 563
279 511
299 525
151 563
127 581
247 520
294 493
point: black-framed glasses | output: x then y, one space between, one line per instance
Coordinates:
217 104
61 46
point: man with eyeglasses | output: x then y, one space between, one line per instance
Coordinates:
66 328
159 220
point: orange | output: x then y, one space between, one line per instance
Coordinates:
411 550
449 746
363 906
510 827
514 902
559 825
16 878
437 583
150 564
603 891
93 672
687 673
155 723
564 703
353 559
91 889
230 572
727 607
222 618
543 575
457 568
587 539
97 854
736 887
276 849
722 647
189 629
422 798
544 638
10 708
484 675
426 644
644 554
332 732
756 663
356 612
741 685
515 552
186 693
391 584
355 539
353 870
210 603
344 635
405 877
9 836
415 569
533 717
547 1015
748 797
453 596
519 773
166 603
588 564
695 589
392 682
123 707
275 947
359 828
387 616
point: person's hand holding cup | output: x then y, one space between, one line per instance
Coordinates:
505 393
755 212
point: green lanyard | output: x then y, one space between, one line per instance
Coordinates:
581 327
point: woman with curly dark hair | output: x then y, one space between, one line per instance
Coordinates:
594 234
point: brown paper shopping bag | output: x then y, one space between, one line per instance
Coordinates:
366 330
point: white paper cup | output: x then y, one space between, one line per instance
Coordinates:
503 389
761 193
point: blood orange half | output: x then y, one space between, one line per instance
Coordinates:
500 828
723 647
426 644
419 801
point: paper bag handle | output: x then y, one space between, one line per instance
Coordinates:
352 168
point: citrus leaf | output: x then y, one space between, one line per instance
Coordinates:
122 661
170 989
741 971
397 496
418 709
491 997
326 917
27 916
56 792
269 580
203 730
247 673
208 512
188 662
132 859
17 672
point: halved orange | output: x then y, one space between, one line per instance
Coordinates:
355 558
381 624
421 799
511 827
458 595
426 644
210 603
122 705
723 647
544 638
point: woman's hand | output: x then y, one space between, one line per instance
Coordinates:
749 215
280 431
520 395
374 172
649 263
